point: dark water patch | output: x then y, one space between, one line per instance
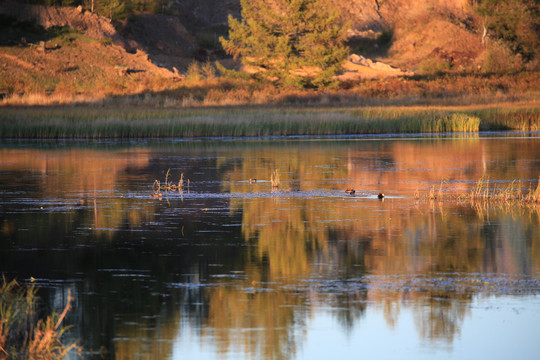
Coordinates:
449 284
441 286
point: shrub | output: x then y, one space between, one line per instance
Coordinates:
434 66
193 73
499 58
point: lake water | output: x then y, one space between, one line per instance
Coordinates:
233 269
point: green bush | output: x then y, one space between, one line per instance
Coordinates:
434 66
515 22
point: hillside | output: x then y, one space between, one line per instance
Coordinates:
73 53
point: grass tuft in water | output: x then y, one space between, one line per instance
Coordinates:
274 179
484 192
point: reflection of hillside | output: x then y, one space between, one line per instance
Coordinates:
77 172
302 254
410 166
297 237
264 324
395 237
79 178
146 339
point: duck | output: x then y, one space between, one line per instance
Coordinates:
380 196
350 191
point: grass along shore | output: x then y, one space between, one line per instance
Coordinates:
85 121
23 334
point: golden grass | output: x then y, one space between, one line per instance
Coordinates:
486 192
125 122
275 179
74 68
144 104
144 89
22 334
146 121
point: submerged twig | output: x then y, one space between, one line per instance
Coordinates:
157 187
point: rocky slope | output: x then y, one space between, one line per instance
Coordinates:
414 35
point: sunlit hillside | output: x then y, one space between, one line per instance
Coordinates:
78 53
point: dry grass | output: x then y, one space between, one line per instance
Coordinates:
132 122
203 89
22 334
485 192
74 68
275 179
50 94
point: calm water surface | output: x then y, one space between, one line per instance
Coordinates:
228 269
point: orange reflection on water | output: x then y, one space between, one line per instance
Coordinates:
79 177
332 237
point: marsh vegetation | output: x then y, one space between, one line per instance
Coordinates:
24 333
106 122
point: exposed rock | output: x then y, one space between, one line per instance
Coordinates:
359 67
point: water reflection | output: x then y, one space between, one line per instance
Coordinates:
245 272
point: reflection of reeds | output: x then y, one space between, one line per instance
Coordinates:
274 179
437 195
22 334
181 182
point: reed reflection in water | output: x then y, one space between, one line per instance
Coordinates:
246 272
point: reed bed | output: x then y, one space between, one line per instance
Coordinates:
22 334
511 193
85 122
486 192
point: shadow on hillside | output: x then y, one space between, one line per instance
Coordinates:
17 33
370 43
169 44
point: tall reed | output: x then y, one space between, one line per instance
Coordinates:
510 194
275 179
